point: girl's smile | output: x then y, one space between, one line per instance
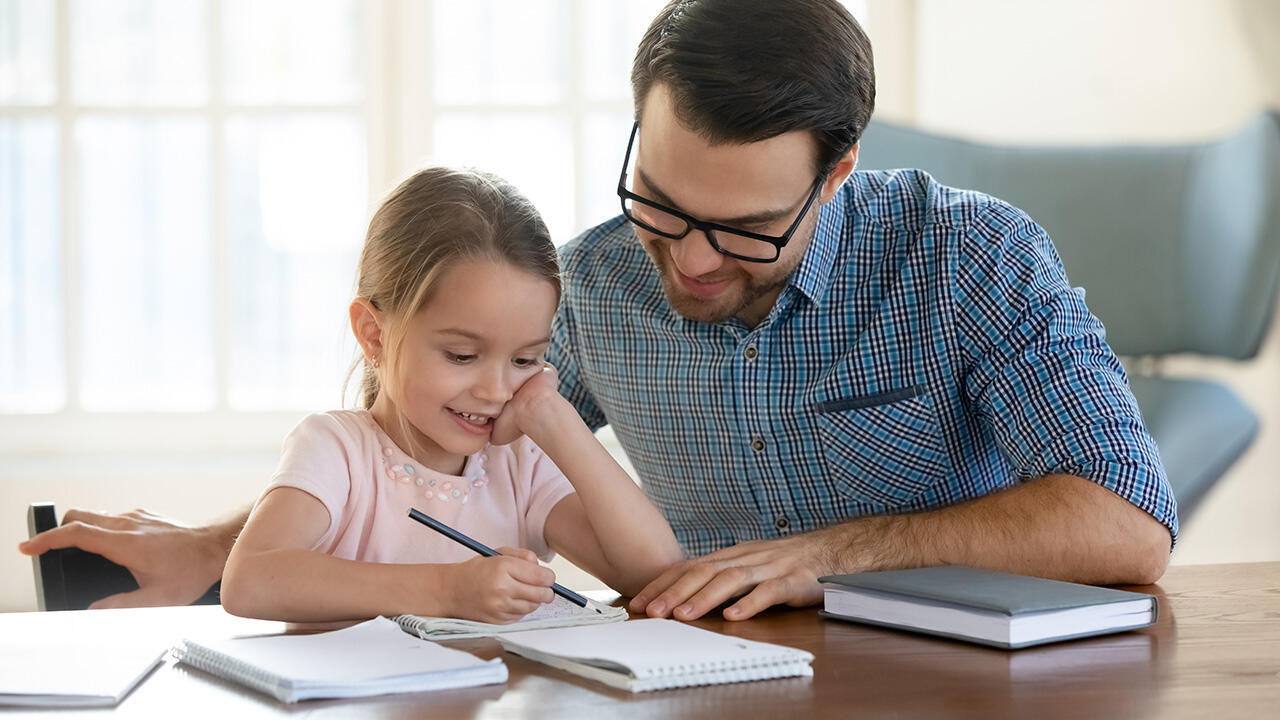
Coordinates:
478 424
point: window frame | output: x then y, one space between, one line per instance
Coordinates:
399 111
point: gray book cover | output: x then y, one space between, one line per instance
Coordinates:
984 590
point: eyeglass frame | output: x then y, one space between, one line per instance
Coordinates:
708 228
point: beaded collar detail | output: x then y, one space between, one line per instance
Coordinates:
401 469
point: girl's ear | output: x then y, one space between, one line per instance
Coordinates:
366 325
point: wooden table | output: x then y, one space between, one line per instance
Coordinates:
1215 652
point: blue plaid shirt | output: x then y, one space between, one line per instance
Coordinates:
927 350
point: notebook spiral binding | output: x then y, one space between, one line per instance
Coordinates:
196 656
725 667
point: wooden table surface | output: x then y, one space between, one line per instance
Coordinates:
1215 652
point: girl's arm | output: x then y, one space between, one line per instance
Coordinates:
608 528
272 574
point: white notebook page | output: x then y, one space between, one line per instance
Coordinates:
654 646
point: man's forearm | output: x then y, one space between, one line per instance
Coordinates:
1059 526
222 534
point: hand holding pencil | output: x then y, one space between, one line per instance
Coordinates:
519 576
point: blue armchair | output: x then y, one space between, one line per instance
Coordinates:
1177 247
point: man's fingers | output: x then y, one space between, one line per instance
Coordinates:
87 537
794 588
727 583
102 520
765 595
696 576
657 585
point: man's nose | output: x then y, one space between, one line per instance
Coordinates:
694 255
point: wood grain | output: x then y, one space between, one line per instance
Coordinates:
1215 652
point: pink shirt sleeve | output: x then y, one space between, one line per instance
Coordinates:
547 486
317 460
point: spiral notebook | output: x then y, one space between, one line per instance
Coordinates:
656 654
557 613
373 658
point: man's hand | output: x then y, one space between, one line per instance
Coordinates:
174 564
767 572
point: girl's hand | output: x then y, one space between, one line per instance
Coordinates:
499 589
521 415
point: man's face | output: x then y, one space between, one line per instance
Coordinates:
759 187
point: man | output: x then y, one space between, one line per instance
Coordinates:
818 371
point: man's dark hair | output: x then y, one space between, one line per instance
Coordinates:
741 71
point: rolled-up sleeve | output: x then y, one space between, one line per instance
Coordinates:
1040 372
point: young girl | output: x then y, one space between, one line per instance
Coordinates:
458 282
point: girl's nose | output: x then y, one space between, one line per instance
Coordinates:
494 385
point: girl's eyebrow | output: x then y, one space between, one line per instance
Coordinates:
478 338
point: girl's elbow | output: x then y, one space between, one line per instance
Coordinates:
238 594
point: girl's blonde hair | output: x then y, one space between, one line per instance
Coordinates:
437 219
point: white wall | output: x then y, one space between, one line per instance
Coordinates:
1097 71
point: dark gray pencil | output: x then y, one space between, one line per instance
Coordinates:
487 551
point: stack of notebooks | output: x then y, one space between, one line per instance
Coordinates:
984 606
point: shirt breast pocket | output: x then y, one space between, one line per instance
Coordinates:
883 449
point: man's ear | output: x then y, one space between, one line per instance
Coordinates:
366 325
839 174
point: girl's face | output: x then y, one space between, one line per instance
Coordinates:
479 338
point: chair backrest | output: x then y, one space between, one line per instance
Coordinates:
1177 247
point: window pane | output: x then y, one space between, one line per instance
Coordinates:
297 194
605 140
303 51
501 51
147 310
31 365
534 152
26 52
610 33
151 52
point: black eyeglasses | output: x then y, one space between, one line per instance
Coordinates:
671 223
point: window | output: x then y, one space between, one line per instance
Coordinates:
184 186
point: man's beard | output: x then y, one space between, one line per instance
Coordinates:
743 290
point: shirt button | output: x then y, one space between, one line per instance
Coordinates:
750 353
781 523
757 444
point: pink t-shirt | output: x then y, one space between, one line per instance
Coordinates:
368 484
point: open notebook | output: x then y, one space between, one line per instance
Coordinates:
656 654
557 613
372 658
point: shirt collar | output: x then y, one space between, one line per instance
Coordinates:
813 276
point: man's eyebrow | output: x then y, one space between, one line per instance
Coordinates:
758 218
473 336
